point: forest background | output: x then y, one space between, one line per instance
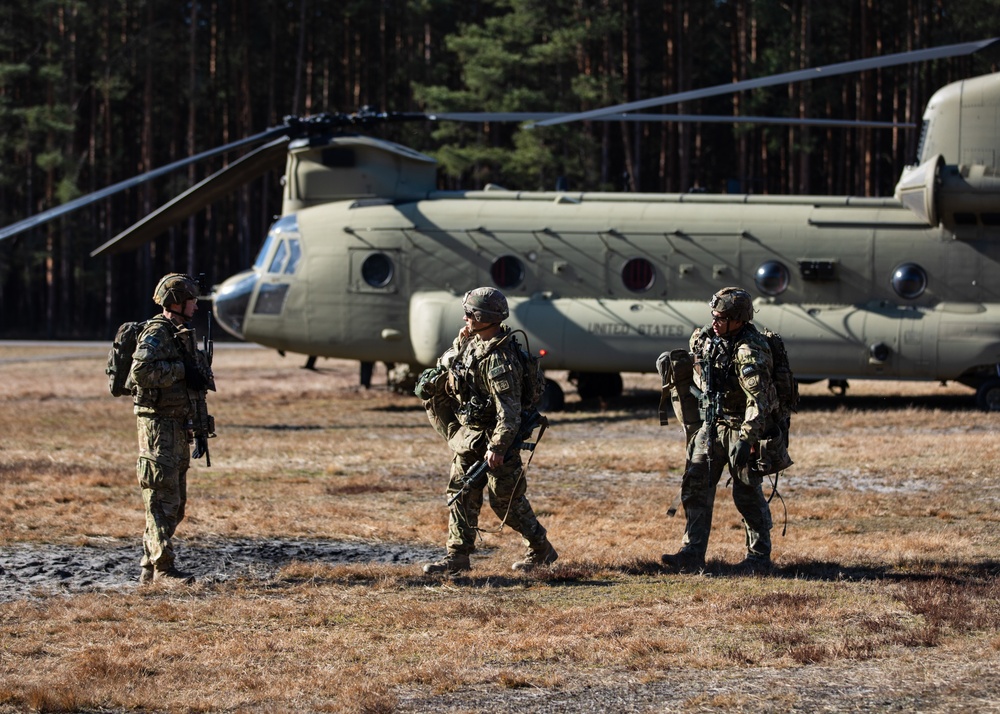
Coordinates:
93 93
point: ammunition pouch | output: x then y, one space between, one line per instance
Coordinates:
172 401
772 452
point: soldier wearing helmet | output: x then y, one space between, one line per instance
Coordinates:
482 376
732 369
169 378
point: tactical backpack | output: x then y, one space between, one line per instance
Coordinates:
120 357
533 380
781 374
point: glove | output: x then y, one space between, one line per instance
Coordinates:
740 454
193 376
200 447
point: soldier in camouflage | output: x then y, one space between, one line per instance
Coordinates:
478 409
169 378
733 371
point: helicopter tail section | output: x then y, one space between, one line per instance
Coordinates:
957 180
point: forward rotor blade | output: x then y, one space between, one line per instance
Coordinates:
221 183
692 118
829 70
78 203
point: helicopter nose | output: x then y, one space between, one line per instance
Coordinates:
231 301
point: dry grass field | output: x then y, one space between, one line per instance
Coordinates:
885 595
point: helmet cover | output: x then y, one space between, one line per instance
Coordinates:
175 289
732 304
486 305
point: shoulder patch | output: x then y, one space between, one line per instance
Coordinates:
502 385
749 369
497 371
151 340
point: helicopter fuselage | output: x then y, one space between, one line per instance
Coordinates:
858 288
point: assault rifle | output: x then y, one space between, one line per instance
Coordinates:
477 475
715 377
205 427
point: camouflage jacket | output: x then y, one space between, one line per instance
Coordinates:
486 379
741 371
158 371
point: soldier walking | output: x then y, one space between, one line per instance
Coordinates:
476 404
169 379
732 369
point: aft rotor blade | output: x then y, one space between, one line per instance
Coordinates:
78 203
690 118
829 70
221 183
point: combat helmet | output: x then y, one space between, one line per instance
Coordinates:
175 289
486 305
732 304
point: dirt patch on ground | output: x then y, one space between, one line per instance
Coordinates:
33 570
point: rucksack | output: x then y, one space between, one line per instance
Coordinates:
533 379
781 374
120 357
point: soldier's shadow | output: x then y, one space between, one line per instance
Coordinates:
831 571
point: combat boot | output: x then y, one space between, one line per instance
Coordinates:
753 564
534 558
146 574
683 562
453 563
173 576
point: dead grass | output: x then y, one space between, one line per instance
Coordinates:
887 575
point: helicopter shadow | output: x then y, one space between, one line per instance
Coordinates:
882 403
645 401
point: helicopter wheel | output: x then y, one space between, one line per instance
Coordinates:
988 395
553 399
598 385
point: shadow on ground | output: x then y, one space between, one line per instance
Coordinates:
38 570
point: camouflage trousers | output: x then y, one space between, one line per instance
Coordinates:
162 468
506 487
701 478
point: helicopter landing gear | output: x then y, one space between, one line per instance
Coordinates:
553 399
838 386
988 395
597 385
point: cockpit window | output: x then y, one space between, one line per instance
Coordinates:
286 257
287 228
264 251
294 253
279 258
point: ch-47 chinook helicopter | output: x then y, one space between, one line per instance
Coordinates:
368 260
